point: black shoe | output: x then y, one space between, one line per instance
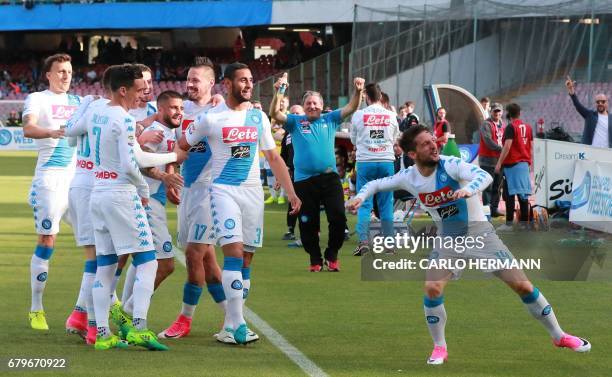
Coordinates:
361 249
289 236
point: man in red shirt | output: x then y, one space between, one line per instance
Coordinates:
515 158
441 128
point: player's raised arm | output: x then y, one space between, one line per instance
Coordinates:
355 102
275 111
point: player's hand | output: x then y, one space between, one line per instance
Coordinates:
353 205
145 202
146 122
277 186
181 155
359 84
296 204
173 195
461 193
153 137
57 134
280 81
216 100
571 85
173 180
498 168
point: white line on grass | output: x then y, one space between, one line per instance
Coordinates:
279 341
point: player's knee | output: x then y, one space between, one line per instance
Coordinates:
433 289
522 288
46 240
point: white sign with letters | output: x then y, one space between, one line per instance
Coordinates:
592 195
554 168
12 139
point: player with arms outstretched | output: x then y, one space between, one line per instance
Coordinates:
447 187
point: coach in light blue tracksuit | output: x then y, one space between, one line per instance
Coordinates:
374 131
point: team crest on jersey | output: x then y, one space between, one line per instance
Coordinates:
237 285
437 198
239 135
255 118
42 277
443 177
62 111
185 125
371 120
167 246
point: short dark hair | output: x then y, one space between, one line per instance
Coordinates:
373 92
124 75
167 95
406 141
384 97
513 110
203 62
144 68
485 99
409 103
230 70
106 76
59 58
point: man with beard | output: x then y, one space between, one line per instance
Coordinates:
235 135
194 219
168 118
596 123
448 188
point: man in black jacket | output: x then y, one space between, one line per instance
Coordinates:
596 122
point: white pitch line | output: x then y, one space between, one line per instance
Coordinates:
279 341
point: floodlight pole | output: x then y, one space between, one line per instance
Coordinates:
589 67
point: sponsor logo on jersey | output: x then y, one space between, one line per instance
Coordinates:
377 150
241 151
448 211
377 134
106 175
62 111
437 198
239 135
372 120
84 164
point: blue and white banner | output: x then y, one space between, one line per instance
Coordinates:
12 139
592 195
137 15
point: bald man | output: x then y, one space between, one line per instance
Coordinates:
596 122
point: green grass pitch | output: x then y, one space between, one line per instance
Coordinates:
346 326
